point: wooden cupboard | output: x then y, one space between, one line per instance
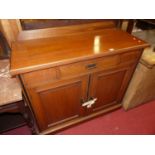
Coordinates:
71 79
62 99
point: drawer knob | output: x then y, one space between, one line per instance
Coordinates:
91 66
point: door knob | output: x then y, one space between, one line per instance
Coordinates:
89 103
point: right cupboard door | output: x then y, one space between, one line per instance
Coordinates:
108 87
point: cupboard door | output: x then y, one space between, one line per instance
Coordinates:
59 102
107 88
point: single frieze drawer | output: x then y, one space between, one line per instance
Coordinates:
92 65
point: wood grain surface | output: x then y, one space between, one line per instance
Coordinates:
49 52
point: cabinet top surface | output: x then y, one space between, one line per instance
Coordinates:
37 54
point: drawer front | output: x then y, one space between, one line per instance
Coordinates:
80 68
89 66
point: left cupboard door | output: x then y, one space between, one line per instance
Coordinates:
59 102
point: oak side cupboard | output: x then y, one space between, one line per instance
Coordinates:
73 78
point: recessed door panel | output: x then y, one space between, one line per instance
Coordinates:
108 87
